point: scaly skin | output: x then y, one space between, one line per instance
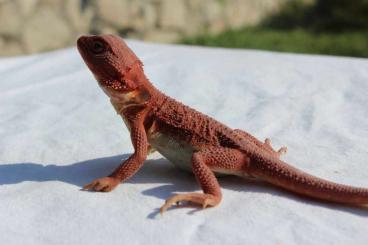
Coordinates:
188 138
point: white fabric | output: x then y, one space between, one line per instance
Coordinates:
58 131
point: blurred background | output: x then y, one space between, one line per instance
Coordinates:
334 27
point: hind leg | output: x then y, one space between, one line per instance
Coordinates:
204 163
266 145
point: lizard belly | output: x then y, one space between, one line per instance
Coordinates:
179 153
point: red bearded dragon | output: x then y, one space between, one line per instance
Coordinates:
188 138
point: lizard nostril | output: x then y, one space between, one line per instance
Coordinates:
82 39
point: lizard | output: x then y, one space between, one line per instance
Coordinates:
186 137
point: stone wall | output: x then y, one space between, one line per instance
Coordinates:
29 26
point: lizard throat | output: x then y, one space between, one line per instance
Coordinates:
122 101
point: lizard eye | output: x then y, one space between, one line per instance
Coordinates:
98 47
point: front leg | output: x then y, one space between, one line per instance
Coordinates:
128 167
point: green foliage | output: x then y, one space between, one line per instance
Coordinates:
221 2
340 15
322 15
334 27
298 40
293 14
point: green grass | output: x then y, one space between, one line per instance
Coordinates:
298 41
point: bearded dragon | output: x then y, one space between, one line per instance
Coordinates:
188 138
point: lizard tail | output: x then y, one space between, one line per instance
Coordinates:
288 177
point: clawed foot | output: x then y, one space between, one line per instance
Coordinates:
105 184
282 150
205 200
278 153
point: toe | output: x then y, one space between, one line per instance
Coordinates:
99 186
282 150
103 184
267 142
204 200
89 186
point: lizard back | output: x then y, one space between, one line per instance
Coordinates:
177 130
186 124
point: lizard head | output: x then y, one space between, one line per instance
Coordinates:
114 65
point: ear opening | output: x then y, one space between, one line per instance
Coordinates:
130 84
133 75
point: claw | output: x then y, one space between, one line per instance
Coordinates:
278 153
205 204
88 186
282 150
205 200
103 184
